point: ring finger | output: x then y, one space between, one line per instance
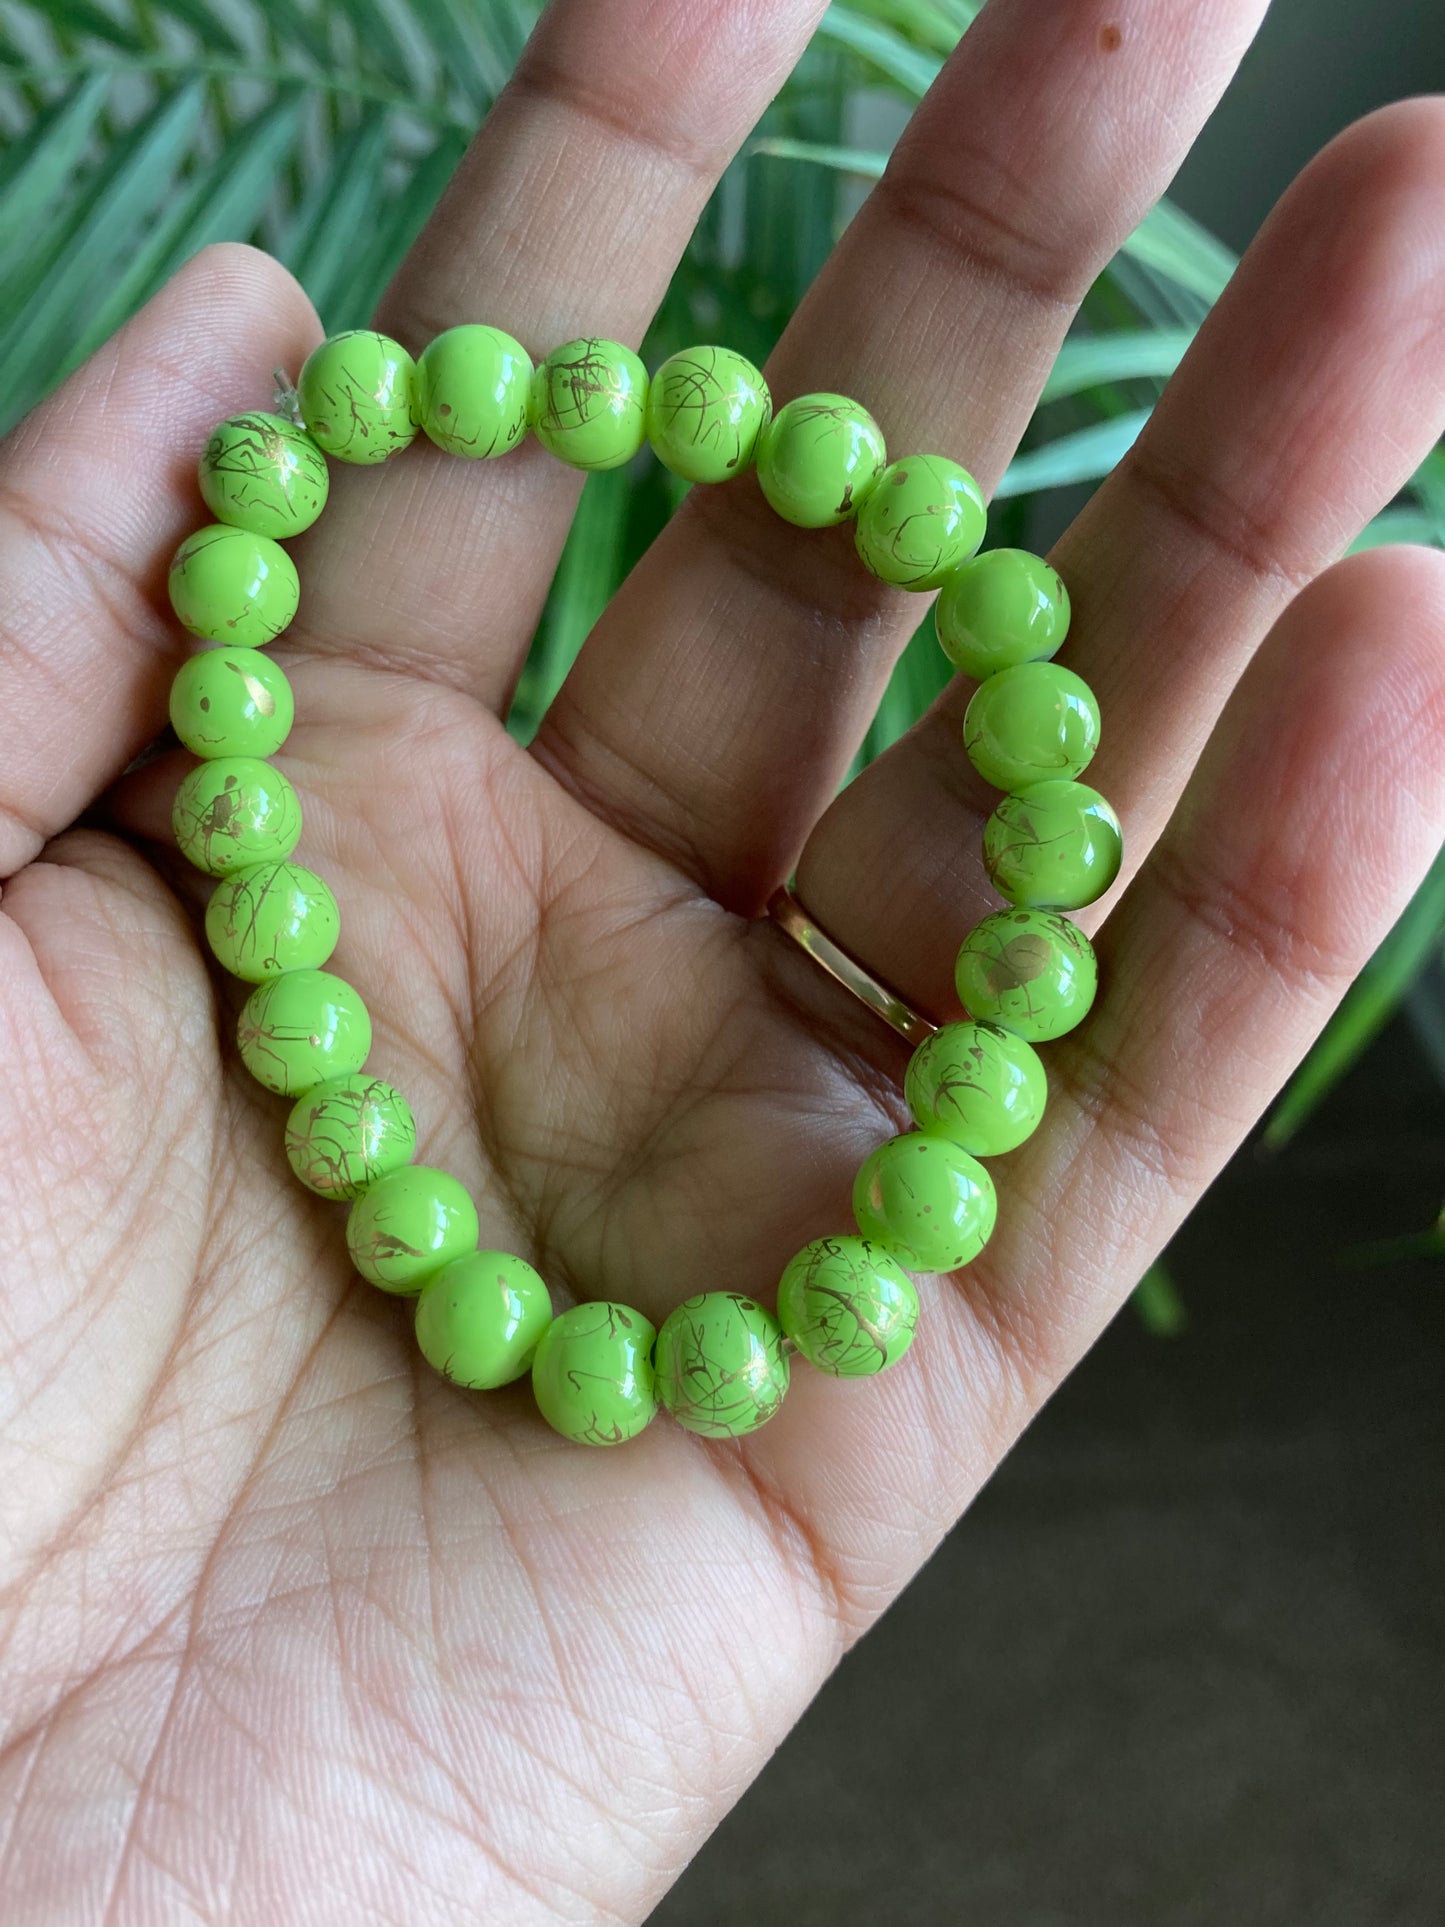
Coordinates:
718 702
1313 392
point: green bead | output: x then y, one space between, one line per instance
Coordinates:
263 473
235 811
271 917
1029 970
480 1318
472 385
705 411
720 1365
589 404
849 1307
347 1133
231 702
357 395
408 1225
925 1200
301 1029
982 1087
819 458
925 517
1053 846
592 1375
1003 608
1030 724
228 585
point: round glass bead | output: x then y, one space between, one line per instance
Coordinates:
408 1225
1030 971
592 1374
271 917
926 1201
347 1133
819 458
472 388
357 395
706 409
848 1306
1031 724
1053 846
235 811
720 1366
982 1087
924 517
1003 608
231 702
589 403
300 1029
228 585
263 473
480 1318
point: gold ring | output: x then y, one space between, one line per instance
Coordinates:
790 916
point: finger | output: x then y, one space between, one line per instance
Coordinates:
1316 809
1311 394
567 218
97 486
716 707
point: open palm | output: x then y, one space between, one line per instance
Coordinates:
291 1629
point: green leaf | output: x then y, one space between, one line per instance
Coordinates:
1085 456
68 278
844 160
323 250
222 204
1159 1306
1397 525
1086 361
401 221
1391 1251
935 26
883 49
465 37
214 31
1175 245
41 166
379 48
1367 1005
587 575
82 20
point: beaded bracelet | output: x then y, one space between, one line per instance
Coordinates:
923 1202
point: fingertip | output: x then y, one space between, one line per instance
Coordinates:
253 293
1366 218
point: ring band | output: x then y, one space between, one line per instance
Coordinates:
789 915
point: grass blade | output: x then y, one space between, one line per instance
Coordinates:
887 52
1173 244
1086 361
863 161
1367 1005
1085 456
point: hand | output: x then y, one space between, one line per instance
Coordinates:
290 1629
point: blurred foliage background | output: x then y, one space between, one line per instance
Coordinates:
136 131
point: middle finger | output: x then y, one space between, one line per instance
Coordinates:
716 705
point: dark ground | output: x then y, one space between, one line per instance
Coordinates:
1183 1665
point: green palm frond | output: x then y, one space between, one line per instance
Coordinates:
136 131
